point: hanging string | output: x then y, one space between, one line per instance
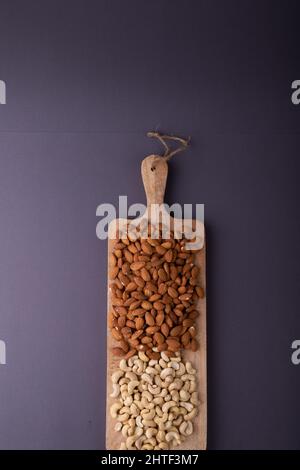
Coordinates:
169 153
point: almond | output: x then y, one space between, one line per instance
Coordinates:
132 248
118 352
162 274
185 297
200 292
188 322
118 253
153 355
154 297
195 272
146 247
151 330
139 281
121 310
185 338
160 249
139 323
123 345
149 319
159 319
138 265
126 332
146 305
131 286
162 289
169 256
159 338
114 272
112 260
137 334
145 275
138 311
128 256
130 353
194 314
134 305
158 305
146 340
165 329
122 321
172 292
176 331
167 245
173 344
162 347
192 331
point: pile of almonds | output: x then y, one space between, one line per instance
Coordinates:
153 290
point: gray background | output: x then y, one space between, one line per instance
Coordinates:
85 81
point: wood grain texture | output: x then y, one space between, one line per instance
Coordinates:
155 182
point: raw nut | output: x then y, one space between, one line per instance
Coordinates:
159 338
159 318
169 256
172 292
123 345
153 409
200 292
149 319
139 323
118 352
122 321
176 331
116 334
150 330
146 305
173 344
154 289
185 338
165 330
138 265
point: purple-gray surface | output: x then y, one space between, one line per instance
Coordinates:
85 81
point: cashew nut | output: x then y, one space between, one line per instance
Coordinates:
116 376
156 401
116 390
132 385
115 407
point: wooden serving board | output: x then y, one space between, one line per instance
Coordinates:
154 182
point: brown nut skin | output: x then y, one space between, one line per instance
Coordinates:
173 344
139 323
154 290
165 329
158 338
151 330
116 334
176 331
149 319
119 352
159 319
123 345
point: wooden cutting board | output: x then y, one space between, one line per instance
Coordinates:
154 173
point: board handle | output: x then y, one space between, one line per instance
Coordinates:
154 174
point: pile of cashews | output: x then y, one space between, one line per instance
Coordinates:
155 401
